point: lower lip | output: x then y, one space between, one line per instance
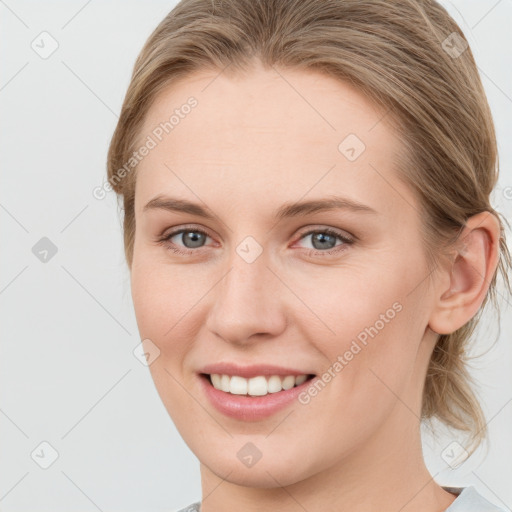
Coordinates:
248 408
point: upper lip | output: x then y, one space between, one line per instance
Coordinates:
250 371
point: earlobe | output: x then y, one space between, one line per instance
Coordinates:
469 274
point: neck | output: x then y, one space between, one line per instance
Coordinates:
386 473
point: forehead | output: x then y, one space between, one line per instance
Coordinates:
269 101
265 130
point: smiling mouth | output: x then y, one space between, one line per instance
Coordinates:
255 386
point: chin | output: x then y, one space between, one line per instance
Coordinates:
263 475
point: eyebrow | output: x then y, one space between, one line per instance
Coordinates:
287 210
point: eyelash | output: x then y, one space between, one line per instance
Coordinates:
165 240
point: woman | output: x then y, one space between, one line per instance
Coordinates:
310 239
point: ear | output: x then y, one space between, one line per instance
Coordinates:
468 275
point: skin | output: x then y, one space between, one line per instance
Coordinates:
252 143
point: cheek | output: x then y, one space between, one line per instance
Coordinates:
371 361
375 327
163 295
365 303
164 299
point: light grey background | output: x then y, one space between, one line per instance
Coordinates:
68 375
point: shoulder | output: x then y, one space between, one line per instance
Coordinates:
470 500
194 507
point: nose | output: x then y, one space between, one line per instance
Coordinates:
247 303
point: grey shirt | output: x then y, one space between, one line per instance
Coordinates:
468 500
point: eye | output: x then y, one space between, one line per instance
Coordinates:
191 238
325 241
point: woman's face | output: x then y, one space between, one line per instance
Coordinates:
265 289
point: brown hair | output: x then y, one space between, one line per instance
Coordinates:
408 57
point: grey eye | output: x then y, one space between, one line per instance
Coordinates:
323 241
191 239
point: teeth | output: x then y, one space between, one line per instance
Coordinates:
256 386
300 379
